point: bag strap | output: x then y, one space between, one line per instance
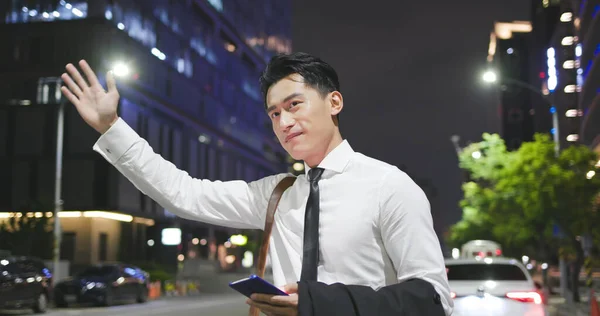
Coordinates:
264 247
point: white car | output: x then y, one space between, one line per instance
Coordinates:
493 286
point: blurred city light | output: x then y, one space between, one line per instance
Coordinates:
590 174
455 253
298 166
120 69
490 76
476 155
238 240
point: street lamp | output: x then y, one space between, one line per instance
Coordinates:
491 77
120 69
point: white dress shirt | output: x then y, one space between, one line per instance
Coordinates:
375 222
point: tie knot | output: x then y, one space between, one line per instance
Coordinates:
315 174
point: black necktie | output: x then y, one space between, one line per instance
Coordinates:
311 228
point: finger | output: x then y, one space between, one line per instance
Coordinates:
267 308
77 76
71 85
70 96
110 82
89 73
261 297
291 288
284 300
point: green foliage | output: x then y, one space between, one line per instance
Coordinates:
156 271
517 198
27 236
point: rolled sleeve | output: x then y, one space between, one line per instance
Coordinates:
408 234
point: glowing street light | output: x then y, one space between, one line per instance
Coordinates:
120 69
490 76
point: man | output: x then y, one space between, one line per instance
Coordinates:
366 245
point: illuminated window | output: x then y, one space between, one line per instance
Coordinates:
23 12
217 4
566 17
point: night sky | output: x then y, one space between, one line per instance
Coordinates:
409 73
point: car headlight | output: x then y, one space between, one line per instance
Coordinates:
98 285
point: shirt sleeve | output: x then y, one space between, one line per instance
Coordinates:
408 234
227 203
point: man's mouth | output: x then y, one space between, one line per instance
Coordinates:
292 135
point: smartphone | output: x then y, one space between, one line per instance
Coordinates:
255 284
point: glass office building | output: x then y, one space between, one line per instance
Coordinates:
188 78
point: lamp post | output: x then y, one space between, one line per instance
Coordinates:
58 202
46 97
492 78
120 69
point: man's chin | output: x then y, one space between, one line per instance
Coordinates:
298 152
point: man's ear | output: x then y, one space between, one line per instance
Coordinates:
337 103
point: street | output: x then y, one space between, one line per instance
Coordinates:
229 304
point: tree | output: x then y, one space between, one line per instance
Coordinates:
27 234
522 198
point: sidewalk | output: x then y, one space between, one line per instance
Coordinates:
558 306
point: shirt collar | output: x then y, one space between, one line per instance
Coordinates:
336 160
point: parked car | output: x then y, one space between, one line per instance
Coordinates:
103 284
25 283
494 286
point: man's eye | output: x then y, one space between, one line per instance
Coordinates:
274 114
295 103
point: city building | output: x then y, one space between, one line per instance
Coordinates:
544 19
508 58
586 22
188 79
568 41
563 75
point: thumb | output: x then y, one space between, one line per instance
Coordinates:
291 288
110 82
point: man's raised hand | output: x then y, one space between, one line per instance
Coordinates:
97 107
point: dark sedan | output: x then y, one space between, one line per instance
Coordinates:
25 282
103 284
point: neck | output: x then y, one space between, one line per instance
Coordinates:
316 159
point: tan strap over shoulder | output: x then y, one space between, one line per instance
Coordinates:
264 247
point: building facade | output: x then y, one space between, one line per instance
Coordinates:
572 72
586 15
508 56
188 78
563 43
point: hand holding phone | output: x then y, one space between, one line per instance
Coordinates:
255 285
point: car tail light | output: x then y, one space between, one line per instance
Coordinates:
452 295
498 252
526 297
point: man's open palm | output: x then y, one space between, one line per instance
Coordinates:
96 106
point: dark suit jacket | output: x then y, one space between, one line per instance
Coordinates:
412 297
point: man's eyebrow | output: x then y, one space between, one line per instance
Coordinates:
291 96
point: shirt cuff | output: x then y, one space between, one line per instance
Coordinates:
116 141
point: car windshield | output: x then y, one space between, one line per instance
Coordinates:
97 271
497 272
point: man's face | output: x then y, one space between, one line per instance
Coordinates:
301 117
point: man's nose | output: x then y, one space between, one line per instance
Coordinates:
286 120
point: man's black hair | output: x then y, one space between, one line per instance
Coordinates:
317 74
